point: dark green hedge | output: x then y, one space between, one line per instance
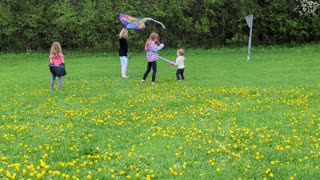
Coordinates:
93 24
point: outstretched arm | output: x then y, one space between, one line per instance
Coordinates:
152 46
160 47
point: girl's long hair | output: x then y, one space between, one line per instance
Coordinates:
154 37
122 32
55 49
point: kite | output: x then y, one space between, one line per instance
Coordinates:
133 23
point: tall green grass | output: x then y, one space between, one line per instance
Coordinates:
227 120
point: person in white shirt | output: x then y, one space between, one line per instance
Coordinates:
180 64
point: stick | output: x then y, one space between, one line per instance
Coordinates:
166 60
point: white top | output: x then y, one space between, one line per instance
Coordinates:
180 62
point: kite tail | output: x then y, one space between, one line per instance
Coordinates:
164 27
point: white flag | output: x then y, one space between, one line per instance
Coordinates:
249 20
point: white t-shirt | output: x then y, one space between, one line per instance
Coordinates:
180 62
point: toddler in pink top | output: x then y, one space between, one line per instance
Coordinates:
56 58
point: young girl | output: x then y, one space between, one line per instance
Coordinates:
123 51
180 64
152 47
56 59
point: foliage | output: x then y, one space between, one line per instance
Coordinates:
34 25
307 7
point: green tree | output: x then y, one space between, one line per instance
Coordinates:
93 24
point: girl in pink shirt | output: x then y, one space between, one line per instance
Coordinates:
152 47
56 63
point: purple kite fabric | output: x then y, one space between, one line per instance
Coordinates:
133 23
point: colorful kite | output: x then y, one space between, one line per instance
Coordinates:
133 23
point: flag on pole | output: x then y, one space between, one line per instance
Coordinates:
249 20
133 23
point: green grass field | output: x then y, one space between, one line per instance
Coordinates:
227 120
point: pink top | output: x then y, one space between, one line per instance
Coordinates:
56 61
152 50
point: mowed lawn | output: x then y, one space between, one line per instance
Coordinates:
228 119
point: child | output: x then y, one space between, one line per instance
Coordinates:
123 51
152 47
56 61
180 64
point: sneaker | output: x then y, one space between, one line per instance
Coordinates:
124 76
153 83
142 81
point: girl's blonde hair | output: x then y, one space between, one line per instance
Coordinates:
181 52
55 49
154 37
123 30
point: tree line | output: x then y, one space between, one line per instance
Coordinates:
32 25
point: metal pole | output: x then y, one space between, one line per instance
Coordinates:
249 46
